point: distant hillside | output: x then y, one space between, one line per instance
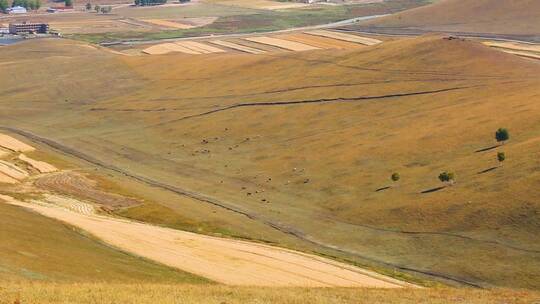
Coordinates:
519 18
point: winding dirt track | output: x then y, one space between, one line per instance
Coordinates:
226 261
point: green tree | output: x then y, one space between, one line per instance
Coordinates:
395 177
88 6
68 3
447 177
4 6
502 135
96 8
501 156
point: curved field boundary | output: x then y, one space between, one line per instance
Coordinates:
281 43
13 144
166 48
319 41
200 47
4 179
67 203
228 261
41 166
345 37
238 47
12 171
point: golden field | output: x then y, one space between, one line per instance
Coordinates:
152 293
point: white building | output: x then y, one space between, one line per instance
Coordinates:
16 10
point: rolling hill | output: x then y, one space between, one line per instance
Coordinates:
519 19
297 148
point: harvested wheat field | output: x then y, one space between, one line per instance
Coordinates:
77 185
223 260
200 47
166 48
238 47
514 46
4 153
345 37
12 170
281 43
6 179
41 166
525 54
319 41
67 203
13 144
186 47
520 49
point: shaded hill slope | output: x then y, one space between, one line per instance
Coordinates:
303 141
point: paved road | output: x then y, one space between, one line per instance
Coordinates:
225 36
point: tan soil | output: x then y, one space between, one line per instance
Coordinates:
68 203
238 47
223 260
515 46
166 48
284 44
12 171
74 184
41 166
13 144
319 41
345 37
200 47
4 179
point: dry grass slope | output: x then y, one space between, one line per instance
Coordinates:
506 17
302 142
191 294
35 248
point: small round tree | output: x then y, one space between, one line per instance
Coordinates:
501 156
88 6
502 135
447 177
395 177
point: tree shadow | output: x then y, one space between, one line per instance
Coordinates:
486 149
487 170
382 189
433 190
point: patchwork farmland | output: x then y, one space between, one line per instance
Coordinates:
295 42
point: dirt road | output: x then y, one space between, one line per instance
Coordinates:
226 261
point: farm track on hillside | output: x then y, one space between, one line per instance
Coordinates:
287 230
314 101
286 90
